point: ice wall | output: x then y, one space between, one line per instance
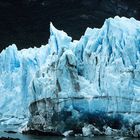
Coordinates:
98 73
17 69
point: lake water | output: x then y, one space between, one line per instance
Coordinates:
34 137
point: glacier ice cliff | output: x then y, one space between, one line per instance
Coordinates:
91 85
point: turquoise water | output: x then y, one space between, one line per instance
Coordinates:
34 137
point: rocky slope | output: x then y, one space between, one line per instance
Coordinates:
26 22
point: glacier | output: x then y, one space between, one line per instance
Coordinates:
90 86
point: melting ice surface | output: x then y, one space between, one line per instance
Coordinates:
103 68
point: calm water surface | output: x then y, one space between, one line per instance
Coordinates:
33 137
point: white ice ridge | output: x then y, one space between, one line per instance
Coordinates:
103 67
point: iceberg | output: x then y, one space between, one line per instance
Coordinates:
74 86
